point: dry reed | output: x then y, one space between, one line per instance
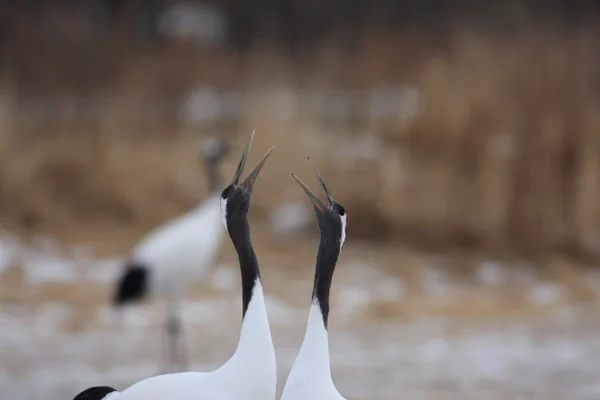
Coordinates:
502 152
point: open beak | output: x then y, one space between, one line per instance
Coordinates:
325 190
240 167
316 201
248 183
313 197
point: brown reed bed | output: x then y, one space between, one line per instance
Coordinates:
502 154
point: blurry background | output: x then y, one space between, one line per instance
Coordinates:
461 136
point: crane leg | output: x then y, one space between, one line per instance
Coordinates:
174 349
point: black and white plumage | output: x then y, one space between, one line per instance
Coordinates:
176 255
98 393
310 377
250 373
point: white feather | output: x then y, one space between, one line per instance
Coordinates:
310 377
180 252
224 212
344 219
250 374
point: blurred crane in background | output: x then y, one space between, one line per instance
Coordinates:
176 255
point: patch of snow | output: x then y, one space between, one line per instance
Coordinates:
435 280
203 104
50 318
376 284
46 244
543 294
202 312
352 297
45 268
434 350
281 311
391 289
290 217
491 274
103 271
225 277
8 254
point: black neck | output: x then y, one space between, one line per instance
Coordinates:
327 257
239 231
214 176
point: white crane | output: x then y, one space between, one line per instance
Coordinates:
170 259
98 393
251 372
310 377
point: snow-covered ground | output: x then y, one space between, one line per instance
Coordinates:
52 349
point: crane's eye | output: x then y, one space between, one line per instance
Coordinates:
341 210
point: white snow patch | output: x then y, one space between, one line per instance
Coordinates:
280 311
290 217
352 297
543 294
7 255
104 271
225 277
368 283
202 312
44 268
435 280
491 274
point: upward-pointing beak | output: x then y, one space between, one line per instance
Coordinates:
316 201
248 183
240 167
325 190
313 197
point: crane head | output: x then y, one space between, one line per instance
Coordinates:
331 216
236 198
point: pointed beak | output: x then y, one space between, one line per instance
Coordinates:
240 168
248 183
313 197
325 190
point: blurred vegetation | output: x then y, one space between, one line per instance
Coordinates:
491 141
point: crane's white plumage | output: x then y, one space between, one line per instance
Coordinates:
310 376
175 256
223 211
180 252
250 373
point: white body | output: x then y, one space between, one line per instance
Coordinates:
310 377
180 252
250 374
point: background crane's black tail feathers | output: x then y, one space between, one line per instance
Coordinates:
95 393
133 285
